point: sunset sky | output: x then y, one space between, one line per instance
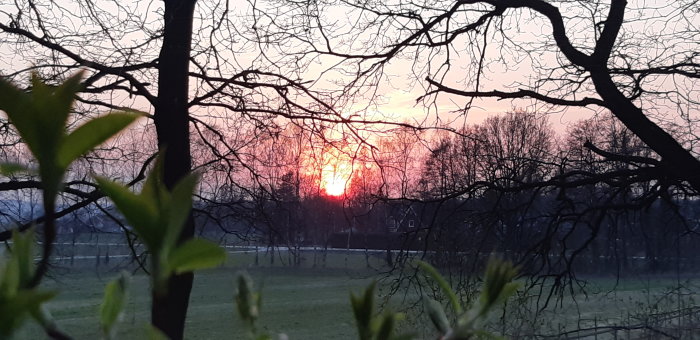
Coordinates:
518 52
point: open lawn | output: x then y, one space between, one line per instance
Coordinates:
311 301
302 303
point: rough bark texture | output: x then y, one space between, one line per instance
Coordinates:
168 311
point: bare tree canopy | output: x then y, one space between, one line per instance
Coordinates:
550 55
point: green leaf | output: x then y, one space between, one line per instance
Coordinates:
244 298
43 317
154 188
363 310
498 284
155 333
9 282
433 273
386 327
15 103
15 310
497 287
113 303
23 253
9 169
179 208
20 110
54 103
196 254
64 94
51 108
91 134
437 315
138 211
40 118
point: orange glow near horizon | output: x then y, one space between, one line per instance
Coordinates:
335 178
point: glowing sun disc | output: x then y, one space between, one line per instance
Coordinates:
335 178
334 187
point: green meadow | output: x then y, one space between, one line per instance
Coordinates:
303 304
311 300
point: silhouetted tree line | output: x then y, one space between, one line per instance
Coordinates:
556 204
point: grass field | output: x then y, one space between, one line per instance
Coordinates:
303 303
311 301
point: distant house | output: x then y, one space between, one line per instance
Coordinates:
401 217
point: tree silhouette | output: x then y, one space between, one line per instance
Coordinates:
176 60
553 55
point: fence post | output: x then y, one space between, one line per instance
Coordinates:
595 326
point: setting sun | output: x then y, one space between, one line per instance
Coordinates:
335 178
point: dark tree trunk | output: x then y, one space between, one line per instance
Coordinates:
678 162
168 311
